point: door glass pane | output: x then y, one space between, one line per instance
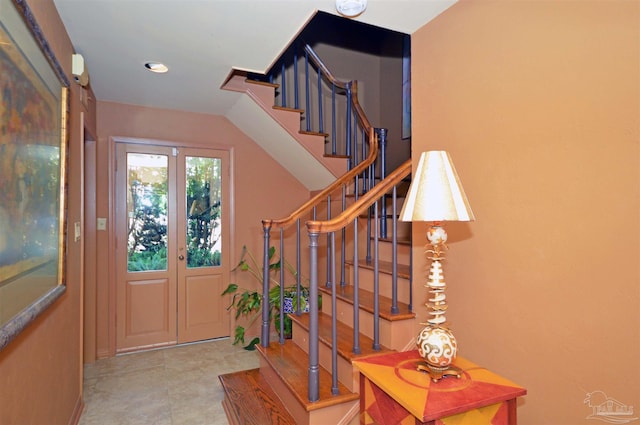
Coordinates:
147 212
203 193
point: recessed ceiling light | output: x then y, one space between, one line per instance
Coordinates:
158 67
351 8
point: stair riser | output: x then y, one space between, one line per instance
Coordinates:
326 415
229 412
290 122
288 119
263 94
365 281
396 335
296 410
333 414
385 250
346 373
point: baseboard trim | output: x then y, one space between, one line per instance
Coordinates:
77 412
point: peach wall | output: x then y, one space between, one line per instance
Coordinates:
538 103
379 91
398 150
41 369
261 187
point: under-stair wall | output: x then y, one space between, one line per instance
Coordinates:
263 95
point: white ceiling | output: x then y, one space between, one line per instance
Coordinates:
201 41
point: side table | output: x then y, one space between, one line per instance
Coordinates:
393 391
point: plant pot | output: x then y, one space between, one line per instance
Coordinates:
289 309
288 304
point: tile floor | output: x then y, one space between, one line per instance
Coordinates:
170 386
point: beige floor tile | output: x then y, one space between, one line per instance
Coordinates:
123 364
171 386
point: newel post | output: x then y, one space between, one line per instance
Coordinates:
264 337
314 371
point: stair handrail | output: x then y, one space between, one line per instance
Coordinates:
364 121
339 223
316 59
352 175
365 201
350 87
349 175
331 188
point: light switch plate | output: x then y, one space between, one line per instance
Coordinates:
76 227
102 223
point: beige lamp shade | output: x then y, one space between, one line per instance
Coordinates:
435 193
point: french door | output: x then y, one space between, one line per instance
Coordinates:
172 238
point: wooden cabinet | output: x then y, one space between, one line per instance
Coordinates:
393 391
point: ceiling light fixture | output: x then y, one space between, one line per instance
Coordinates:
156 67
351 8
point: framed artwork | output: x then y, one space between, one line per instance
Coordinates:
406 87
33 152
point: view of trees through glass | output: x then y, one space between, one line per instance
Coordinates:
147 209
203 211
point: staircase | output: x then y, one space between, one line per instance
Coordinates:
263 94
363 279
277 392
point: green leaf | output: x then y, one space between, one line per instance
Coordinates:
254 302
274 293
239 335
230 289
252 345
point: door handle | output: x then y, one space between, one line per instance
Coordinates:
181 257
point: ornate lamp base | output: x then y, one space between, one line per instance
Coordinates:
437 373
438 347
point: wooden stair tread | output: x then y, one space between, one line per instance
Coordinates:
251 400
404 270
399 241
262 83
314 133
284 108
365 299
290 362
345 337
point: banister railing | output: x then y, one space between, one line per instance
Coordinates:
351 193
350 216
344 180
352 212
346 136
352 181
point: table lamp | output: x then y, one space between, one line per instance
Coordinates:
436 195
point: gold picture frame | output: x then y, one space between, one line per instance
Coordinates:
33 155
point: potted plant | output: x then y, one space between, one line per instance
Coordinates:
248 303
